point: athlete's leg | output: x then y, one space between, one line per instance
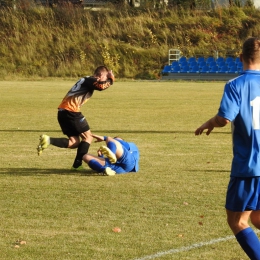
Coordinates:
246 237
46 140
94 162
72 142
98 164
115 147
237 221
83 147
255 218
113 151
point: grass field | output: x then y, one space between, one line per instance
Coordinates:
175 201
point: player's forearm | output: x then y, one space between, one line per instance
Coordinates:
102 85
218 121
99 138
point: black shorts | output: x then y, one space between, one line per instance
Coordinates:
72 123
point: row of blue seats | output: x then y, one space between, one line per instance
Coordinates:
204 65
210 64
207 70
208 59
204 69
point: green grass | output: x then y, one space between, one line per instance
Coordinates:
175 200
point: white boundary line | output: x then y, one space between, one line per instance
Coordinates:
187 248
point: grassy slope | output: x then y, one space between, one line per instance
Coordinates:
68 42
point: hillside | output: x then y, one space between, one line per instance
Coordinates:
71 42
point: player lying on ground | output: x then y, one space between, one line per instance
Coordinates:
116 157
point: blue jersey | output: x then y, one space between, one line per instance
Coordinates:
131 152
241 105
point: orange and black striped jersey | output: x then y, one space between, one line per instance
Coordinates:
82 91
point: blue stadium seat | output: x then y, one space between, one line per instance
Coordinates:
233 69
228 59
195 69
176 69
185 69
213 69
231 64
202 64
193 63
183 58
204 69
240 65
237 60
210 59
223 69
221 63
166 69
212 64
191 59
220 59
174 63
200 59
183 64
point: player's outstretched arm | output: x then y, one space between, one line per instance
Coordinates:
98 138
216 121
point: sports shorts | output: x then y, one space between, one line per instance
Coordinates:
124 164
72 123
243 194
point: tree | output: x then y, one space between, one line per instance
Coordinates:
249 3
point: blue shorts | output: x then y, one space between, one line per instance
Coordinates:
124 164
243 194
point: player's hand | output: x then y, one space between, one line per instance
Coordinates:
203 127
99 153
110 75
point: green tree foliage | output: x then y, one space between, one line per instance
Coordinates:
249 3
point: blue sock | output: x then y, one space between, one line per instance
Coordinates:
112 147
250 243
96 166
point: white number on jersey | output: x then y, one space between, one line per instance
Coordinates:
77 86
256 112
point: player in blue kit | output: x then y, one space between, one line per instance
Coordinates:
240 105
116 157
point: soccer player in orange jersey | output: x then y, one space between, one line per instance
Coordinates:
72 122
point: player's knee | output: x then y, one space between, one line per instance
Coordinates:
237 224
73 143
86 158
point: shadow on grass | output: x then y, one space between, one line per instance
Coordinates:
210 171
112 131
37 171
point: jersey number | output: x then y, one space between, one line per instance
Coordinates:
256 112
77 86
